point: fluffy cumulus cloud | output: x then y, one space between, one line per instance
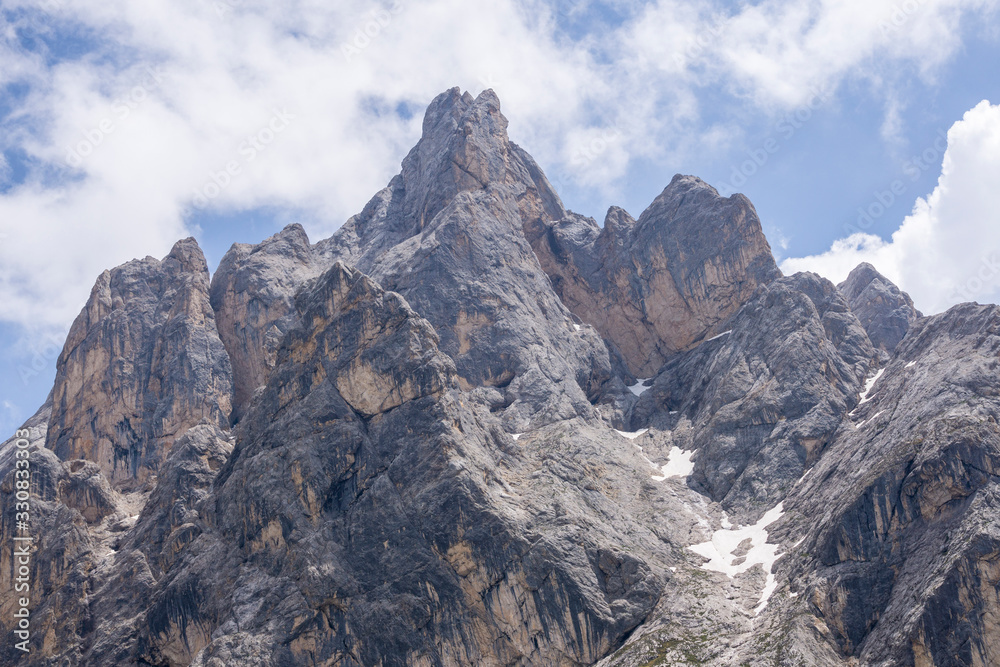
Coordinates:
947 250
121 123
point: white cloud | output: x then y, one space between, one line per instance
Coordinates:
143 148
947 251
782 52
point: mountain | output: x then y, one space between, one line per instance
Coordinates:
886 312
425 441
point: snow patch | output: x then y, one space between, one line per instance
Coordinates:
724 333
870 420
911 364
719 551
679 464
631 435
638 389
577 327
516 436
869 385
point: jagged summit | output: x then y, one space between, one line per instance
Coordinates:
885 311
142 363
660 284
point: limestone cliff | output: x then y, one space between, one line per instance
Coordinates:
885 311
142 363
666 282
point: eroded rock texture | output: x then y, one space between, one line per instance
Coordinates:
253 296
663 283
766 398
422 442
369 517
447 235
142 363
885 311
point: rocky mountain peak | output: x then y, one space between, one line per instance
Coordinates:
457 110
188 255
664 283
253 295
464 148
448 234
142 363
859 278
885 311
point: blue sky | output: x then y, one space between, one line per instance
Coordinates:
118 121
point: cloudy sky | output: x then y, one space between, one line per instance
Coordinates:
861 129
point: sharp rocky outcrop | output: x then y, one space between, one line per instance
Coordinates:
142 363
767 396
446 234
665 282
885 311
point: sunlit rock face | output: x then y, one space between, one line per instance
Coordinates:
142 363
665 282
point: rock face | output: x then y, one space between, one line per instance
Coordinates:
901 568
661 284
767 397
885 311
421 442
142 363
370 521
253 296
447 235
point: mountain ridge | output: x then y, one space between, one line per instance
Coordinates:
424 441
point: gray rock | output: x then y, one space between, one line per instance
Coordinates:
447 235
371 508
885 311
395 446
909 527
142 363
661 284
766 398
253 296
